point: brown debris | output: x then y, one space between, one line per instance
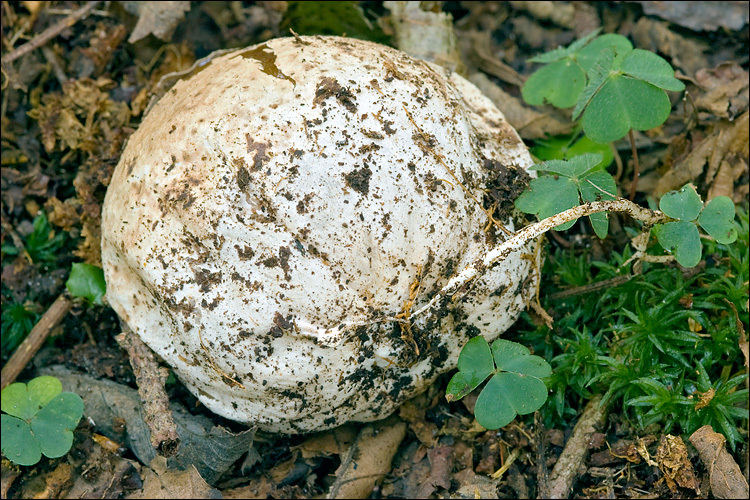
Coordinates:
368 459
725 476
672 457
150 378
571 463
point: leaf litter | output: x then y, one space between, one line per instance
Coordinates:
68 110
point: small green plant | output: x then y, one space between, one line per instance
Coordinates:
565 147
515 388
681 236
645 347
39 419
42 245
18 318
574 181
614 87
87 281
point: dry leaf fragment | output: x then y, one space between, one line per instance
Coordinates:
700 16
672 459
368 460
157 18
725 90
530 124
333 442
441 465
725 476
161 482
726 140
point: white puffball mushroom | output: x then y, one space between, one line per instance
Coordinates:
281 213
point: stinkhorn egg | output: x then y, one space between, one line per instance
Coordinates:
284 210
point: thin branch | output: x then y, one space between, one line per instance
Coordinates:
572 461
35 339
150 379
532 231
49 33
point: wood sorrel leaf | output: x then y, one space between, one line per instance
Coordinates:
717 218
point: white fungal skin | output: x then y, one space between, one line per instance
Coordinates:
280 214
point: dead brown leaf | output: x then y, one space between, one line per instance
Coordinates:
673 461
333 442
441 467
685 53
725 476
475 486
157 18
530 124
700 16
726 140
162 482
724 90
368 459
57 482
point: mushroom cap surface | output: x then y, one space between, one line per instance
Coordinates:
281 212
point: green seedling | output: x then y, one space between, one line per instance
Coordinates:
515 386
574 181
42 245
87 281
681 237
18 318
39 419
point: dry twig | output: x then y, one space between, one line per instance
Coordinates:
150 379
49 33
572 461
35 339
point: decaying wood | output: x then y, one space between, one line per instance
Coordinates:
572 461
150 378
35 339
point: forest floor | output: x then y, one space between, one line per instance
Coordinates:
70 103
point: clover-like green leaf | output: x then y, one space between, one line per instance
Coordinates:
40 420
623 103
684 204
600 72
19 444
651 68
474 366
576 179
575 168
559 83
25 401
54 424
549 195
87 281
561 52
513 357
598 185
516 389
589 55
717 218
681 238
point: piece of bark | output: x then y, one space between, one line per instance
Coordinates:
368 460
725 476
572 461
150 378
